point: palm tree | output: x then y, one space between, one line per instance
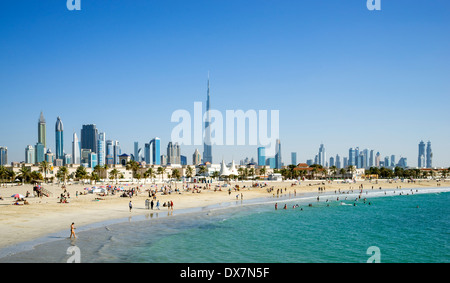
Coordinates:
176 174
150 173
202 170
63 172
134 166
114 174
81 173
215 174
189 172
262 171
3 173
161 171
44 167
25 174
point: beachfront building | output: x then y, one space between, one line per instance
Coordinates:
42 130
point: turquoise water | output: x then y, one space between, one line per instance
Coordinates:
405 228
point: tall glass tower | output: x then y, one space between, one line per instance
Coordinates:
261 156
89 137
429 155
155 146
42 130
421 158
59 139
101 148
207 148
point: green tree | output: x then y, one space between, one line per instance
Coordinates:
63 172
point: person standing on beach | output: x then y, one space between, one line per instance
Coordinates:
130 205
72 231
157 204
171 205
151 204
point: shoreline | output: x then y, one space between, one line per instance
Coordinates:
27 225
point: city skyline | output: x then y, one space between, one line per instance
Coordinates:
330 88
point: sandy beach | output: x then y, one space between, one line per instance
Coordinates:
42 216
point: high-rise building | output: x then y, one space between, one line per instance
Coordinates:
207 147
116 152
40 152
378 160
331 161
322 156
338 162
294 158
155 151
351 157
101 149
30 156
393 160
429 155
421 158
278 160
68 159
93 161
366 156
76 149
261 156
59 139
173 153
183 160
3 155
42 131
89 136
371 159
136 152
49 157
196 158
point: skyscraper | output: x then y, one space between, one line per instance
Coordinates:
338 162
278 161
207 147
40 152
42 131
173 153
421 157
294 158
261 156
3 155
30 156
155 151
351 157
76 149
89 136
322 156
101 148
59 139
429 155
136 152
196 158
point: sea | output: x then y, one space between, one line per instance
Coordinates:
387 226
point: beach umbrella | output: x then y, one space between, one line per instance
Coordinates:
17 196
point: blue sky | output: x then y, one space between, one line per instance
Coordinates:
337 72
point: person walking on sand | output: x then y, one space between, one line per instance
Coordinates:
72 231
157 204
130 205
171 205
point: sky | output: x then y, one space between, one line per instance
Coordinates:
338 73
